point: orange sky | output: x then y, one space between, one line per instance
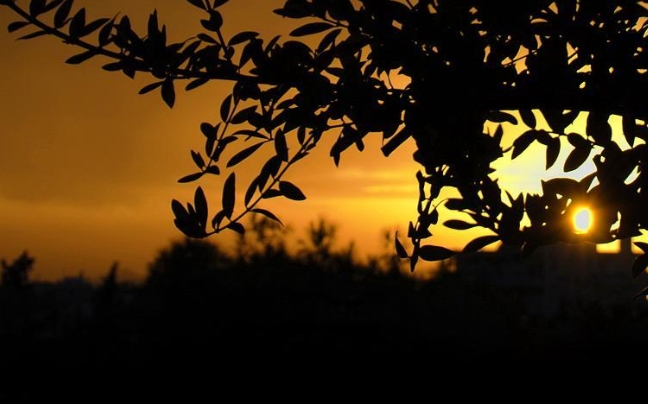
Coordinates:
89 167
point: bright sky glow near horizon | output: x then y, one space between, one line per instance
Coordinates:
89 167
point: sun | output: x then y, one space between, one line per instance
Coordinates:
582 220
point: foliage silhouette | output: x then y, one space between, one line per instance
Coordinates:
464 63
263 242
186 264
276 308
16 274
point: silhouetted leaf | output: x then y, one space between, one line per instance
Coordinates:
553 151
599 128
523 142
577 157
563 186
335 71
225 108
271 193
198 159
413 261
106 32
243 154
559 120
196 83
198 3
341 144
311 28
395 141
643 246
400 250
501 116
112 67
125 29
214 23
212 170
150 87
93 26
435 253
268 214
456 204
33 35
229 195
249 133
269 169
242 37
328 40
499 133
208 130
251 191
639 265
301 135
291 191
15 26
168 92
190 177
342 10
129 71
222 145
411 230
629 125
62 14
577 140
529 118
271 44
52 5
207 38
218 3
292 10
153 25
237 227
36 7
80 58
218 219
479 243
178 209
458 224
210 145
281 147
192 211
200 202
433 217
243 115
543 137
78 23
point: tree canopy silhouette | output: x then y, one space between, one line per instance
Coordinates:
16 274
462 63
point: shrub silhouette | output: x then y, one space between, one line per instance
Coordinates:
16 274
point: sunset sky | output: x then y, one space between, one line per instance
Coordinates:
89 167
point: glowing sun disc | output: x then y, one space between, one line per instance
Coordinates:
583 220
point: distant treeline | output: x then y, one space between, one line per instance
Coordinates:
260 302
